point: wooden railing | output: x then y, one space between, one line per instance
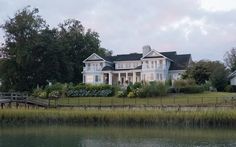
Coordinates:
14 96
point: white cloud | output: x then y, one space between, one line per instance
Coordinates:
218 5
204 28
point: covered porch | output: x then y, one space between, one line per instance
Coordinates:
122 77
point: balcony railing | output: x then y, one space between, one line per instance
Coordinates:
91 68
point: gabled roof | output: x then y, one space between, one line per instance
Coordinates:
232 75
158 55
97 58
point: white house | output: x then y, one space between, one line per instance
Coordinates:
151 65
232 78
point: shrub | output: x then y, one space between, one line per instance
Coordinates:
131 95
42 94
55 94
162 89
178 84
142 92
192 89
39 93
230 88
121 94
137 85
151 90
36 92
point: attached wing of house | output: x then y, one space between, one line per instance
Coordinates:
151 65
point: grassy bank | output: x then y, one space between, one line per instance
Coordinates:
119 117
210 98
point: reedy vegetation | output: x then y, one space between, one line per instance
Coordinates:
119 117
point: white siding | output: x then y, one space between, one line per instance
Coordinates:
233 81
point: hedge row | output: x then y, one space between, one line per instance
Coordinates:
188 89
90 91
81 90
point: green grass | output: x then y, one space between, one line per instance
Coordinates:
177 99
118 117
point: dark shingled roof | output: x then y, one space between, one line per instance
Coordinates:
107 68
179 62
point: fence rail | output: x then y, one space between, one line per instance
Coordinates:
172 101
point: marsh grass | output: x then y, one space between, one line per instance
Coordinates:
119 117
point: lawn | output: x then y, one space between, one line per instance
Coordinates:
174 99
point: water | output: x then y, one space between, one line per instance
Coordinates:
75 136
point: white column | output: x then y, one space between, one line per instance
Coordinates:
126 76
83 78
110 78
102 78
134 77
119 77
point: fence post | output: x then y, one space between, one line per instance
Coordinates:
123 101
112 102
100 101
161 100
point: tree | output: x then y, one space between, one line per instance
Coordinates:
219 78
78 44
37 54
21 35
230 59
201 71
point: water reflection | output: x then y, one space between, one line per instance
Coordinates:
70 136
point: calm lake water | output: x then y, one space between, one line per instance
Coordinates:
75 136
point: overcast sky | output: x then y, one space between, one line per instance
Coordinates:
204 28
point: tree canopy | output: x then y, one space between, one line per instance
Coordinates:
205 70
230 59
36 53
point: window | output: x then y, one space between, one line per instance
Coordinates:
155 64
152 64
101 64
161 77
89 79
160 62
88 66
147 64
97 78
151 77
157 76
